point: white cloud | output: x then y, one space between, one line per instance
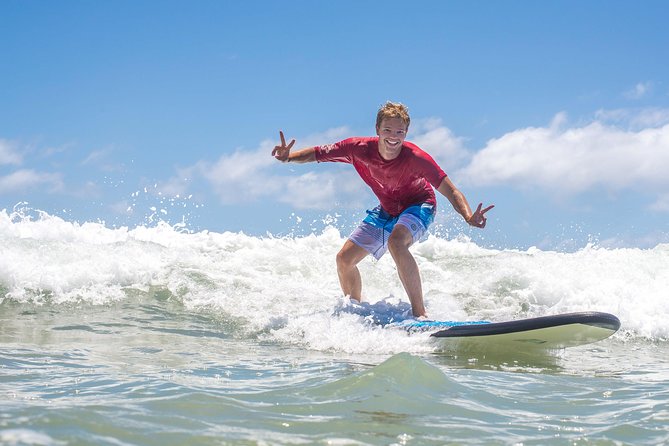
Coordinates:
635 119
27 178
250 175
241 175
565 160
662 203
323 190
439 141
178 184
560 159
317 139
9 153
639 90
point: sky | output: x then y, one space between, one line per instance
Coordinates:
134 112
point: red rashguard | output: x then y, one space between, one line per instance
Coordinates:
397 183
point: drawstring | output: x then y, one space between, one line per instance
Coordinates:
383 231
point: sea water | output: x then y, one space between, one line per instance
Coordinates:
154 335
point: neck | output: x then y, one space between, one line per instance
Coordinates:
388 155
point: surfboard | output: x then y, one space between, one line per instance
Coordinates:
545 332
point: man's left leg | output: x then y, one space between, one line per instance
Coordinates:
398 244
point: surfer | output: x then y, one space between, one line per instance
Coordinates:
402 176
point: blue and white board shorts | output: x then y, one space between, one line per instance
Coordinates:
373 232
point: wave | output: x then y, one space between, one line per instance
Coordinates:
285 288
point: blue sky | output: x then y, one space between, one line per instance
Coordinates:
132 111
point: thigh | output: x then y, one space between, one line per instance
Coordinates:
369 238
416 220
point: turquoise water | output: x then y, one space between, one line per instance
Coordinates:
152 336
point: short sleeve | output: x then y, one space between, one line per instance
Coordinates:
339 152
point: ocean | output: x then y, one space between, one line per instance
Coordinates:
155 335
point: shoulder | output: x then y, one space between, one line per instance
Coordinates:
420 157
361 141
416 153
355 144
346 150
413 148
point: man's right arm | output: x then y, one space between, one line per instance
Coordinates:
282 152
307 155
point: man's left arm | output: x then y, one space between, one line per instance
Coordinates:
461 206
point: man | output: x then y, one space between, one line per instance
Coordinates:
402 176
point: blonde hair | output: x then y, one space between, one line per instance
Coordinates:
393 110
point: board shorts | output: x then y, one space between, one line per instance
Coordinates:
375 229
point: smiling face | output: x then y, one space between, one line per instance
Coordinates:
392 132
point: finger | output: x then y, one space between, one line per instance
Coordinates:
478 209
278 150
290 146
283 140
487 209
479 222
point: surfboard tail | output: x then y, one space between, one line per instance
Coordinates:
557 331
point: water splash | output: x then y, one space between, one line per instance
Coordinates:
285 289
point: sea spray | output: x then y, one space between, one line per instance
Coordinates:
286 288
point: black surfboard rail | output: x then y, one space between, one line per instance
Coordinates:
592 318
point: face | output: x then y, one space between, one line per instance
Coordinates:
392 132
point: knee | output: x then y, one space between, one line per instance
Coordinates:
399 241
348 257
343 260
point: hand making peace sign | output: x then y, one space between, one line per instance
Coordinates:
478 217
281 152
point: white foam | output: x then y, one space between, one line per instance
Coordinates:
26 436
286 288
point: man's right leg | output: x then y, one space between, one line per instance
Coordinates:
349 276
